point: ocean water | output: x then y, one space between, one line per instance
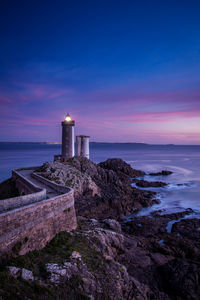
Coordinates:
182 191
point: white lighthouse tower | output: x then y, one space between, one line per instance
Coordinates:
67 137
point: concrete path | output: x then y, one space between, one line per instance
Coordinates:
27 174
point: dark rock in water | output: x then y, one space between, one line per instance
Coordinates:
164 172
146 184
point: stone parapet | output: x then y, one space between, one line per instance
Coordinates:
57 187
32 193
29 226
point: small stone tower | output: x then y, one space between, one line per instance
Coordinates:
67 137
82 146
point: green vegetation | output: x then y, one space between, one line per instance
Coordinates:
17 247
18 289
67 209
26 239
52 170
57 251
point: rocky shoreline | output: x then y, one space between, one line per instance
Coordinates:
149 257
101 190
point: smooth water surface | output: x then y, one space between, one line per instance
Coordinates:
183 190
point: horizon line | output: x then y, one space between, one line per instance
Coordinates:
94 142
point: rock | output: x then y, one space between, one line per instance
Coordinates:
67 175
94 221
146 184
14 271
109 242
120 167
113 224
56 272
159 258
55 268
162 173
23 273
27 274
181 278
75 255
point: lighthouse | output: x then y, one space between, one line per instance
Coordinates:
82 142
67 137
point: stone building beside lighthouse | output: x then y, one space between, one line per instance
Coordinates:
68 142
82 146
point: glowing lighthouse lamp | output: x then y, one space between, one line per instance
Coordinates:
68 118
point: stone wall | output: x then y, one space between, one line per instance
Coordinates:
32 226
57 187
32 193
36 224
24 185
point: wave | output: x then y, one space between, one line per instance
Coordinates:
180 186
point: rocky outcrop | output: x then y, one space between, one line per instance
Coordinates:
121 168
104 260
147 257
67 175
88 266
101 190
147 184
174 257
162 173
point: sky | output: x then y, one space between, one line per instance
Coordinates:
126 71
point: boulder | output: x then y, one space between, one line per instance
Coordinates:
147 184
23 273
14 271
27 274
162 173
113 224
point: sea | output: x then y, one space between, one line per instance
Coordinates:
182 191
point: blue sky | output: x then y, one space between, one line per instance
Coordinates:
126 70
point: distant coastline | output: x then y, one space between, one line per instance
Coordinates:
48 143
59 143
100 143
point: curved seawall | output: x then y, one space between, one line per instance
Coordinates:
35 218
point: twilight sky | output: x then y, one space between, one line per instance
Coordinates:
126 70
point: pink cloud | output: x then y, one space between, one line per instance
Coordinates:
158 116
102 114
